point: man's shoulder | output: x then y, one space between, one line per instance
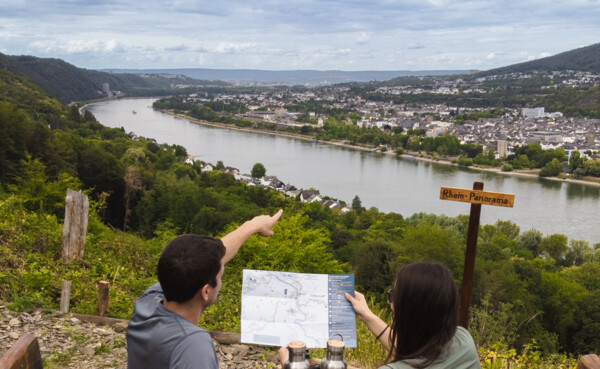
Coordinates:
155 289
194 350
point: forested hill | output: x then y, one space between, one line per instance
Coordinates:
66 82
585 59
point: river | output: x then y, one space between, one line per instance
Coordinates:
388 183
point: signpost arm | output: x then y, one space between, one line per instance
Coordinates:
467 281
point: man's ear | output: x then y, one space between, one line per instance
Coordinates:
203 292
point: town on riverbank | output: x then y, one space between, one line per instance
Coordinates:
408 155
399 120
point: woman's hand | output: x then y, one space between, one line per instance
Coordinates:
284 355
359 304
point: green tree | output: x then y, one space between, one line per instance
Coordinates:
414 143
356 203
534 153
592 167
554 246
428 241
258 171
577 251
530 240
521 161
39 193
575 161
551 169
372 266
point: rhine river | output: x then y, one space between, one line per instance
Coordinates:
388 183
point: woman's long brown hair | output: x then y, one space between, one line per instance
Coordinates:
425 304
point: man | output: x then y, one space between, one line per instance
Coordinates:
163 331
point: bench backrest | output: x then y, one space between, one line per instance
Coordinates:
24 354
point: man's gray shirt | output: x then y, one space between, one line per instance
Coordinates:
159 338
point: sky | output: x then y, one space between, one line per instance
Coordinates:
346 35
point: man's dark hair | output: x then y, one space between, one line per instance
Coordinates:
187 264
425 301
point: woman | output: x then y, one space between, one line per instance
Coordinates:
424 332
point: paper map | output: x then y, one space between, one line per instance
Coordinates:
279 307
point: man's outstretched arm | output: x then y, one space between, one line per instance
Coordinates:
261 224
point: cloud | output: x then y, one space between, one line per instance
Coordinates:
76 46
111 45
544 55
232 47
491 56
416 46
363 38
181 47
342 51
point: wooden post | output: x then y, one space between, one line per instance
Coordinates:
103 297
75 226
467 281
65 296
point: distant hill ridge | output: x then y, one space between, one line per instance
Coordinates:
311 77
67 83
584 59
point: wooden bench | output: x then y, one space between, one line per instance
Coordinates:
24 354
590 361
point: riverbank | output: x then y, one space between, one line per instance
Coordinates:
528 173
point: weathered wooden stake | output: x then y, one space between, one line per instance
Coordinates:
65 296
75 226
103 297
467 281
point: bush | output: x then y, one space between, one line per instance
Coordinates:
465 162
507 167
551 169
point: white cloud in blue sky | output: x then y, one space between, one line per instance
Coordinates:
306 34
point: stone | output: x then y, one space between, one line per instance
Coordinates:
120 327
14 322
86 350
227 350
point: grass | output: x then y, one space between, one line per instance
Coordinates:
59 359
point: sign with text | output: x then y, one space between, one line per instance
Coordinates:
477 197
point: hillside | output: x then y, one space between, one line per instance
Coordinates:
585 59
66 82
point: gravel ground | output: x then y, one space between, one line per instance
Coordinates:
68 342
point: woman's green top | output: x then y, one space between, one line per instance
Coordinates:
459 354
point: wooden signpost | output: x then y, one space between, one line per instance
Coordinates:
476 197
